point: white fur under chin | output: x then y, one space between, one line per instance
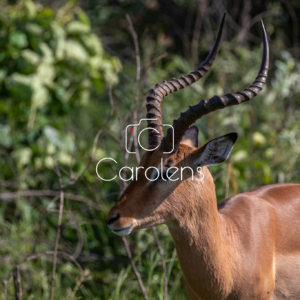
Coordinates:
123 232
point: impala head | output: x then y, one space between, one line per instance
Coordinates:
168 175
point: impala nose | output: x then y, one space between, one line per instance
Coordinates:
112 219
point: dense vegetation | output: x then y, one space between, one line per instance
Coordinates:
72 77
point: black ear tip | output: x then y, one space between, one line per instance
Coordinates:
195 127
232 136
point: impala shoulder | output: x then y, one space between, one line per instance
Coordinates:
268 195
277 194
234 201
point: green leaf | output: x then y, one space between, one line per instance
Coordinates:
34 29
47 53
76 27
40 93
46 73
92 43
2 75
239 156
82 16
19 85
258 139
18 39
22 156
59 139
30 56
30 10
5 138
75 53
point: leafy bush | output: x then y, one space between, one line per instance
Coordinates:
52 64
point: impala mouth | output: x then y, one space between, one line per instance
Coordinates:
122 231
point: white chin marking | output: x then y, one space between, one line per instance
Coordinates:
123 232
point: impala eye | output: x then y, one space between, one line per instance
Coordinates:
164 175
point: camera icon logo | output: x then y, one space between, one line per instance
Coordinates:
130 129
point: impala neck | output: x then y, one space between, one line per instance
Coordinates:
203 250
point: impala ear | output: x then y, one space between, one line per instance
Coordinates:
190 137
215 151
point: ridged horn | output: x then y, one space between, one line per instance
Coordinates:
204 107
156 95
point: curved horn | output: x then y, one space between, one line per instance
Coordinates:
156 95
206 106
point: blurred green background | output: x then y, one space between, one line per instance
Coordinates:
71 77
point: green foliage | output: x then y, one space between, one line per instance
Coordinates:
51 65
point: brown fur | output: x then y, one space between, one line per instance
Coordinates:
244 247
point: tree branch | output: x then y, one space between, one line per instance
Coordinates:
11 197
17 283
61 207
162 262
136 272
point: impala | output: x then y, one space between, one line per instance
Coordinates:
244 247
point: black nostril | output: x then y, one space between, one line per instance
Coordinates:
112 219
